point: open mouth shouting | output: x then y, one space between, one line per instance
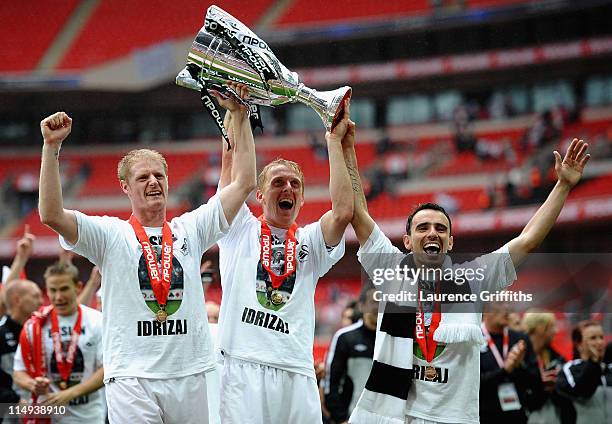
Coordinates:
285 204
432 248
153 193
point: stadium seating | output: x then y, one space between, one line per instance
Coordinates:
39 229
117 27
103 180
29 31
481 4
309 12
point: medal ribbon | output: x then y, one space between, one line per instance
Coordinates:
64 364
160 278
493 348
426 340
266 252
33 354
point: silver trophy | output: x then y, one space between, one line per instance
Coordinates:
225 49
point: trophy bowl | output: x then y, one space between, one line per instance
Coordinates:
226 50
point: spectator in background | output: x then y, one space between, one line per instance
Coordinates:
377 177
545 129
540 326
384 144
350 314
23 252
587 380
465 141
74 379
514 321
510 382
22 297
318 147
88 293
349 360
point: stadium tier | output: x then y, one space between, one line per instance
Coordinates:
103 171
321 12
29 32
117 27
305 13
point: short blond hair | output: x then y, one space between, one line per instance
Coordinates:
263 175
532 319
125 164
62 268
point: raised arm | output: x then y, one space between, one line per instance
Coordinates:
569 171
334 222
91 287
362 222
243 172
23 252
54 129
226 155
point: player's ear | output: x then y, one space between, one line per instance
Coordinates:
407 242
259 196
124 186
450 243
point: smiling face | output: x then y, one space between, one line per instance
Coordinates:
429 237
281 195
146 184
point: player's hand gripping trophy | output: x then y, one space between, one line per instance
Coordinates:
227 50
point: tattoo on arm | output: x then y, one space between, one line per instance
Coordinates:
355 181
351 166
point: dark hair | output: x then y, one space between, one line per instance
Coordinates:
355 312
577 334
365 288
424 206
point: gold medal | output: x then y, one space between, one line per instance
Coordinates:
161 315
430 373
63 385
276 297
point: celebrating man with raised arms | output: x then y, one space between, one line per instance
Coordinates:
267 318
426 361
155 335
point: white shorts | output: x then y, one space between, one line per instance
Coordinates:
259 394
155 401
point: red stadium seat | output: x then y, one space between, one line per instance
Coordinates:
30 31
117 28
309 12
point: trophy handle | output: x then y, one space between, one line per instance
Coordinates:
327 104
340 110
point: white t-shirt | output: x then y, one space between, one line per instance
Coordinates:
135 343
452 397
88 358
260 324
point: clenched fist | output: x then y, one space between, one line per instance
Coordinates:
55 128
